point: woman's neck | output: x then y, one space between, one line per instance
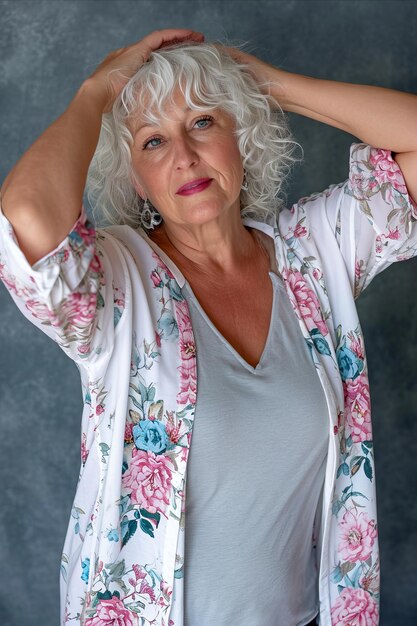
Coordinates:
219 251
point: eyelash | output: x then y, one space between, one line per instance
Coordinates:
209 118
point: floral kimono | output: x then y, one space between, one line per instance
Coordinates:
112 300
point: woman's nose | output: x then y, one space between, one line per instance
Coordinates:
185 154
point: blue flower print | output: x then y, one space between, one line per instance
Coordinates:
75 238
168 326
85 565
150 435
319 341
117 316
113 535
175 290
350 365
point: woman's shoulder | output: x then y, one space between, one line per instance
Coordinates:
121 235
309 211
138 247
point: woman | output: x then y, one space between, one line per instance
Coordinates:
211 314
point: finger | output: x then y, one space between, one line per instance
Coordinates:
237 55
159 37
168 37
179 38
172 42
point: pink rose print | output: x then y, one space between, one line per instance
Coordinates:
394 234
356 345
355 607
149 476
188 383
381 240
156 279
162 266
358 536
84 348
359 269
166 589
361 184
84 451
165 597
85 229
12 284
112 613
140 573
358 408
173 429
187 369
95 265
317 273
300 230
41 312
79 309
119 302
128 432
386 169
184 452
306 300
145 588
187 345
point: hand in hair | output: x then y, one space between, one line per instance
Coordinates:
119 66
270 79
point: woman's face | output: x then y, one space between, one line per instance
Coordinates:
189 165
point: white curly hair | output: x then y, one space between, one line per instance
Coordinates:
208 78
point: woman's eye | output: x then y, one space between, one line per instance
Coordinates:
204 122
152 143
155 142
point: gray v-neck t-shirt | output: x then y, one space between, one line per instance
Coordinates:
255 476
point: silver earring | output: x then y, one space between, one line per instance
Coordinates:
149 216
244 186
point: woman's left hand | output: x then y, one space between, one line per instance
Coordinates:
269 78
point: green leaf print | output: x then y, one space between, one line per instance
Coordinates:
147 527
104 451
116 570
131 529
368 468
156 516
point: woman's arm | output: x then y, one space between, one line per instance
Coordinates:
381 117
42 194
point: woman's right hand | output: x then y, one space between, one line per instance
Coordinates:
119 66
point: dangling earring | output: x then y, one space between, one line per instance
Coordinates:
149 216
244 186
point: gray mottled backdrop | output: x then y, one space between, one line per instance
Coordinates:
47 48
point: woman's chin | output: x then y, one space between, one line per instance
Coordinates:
205 211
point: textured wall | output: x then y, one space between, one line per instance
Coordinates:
47 48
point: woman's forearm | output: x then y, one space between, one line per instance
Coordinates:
42 194
381 117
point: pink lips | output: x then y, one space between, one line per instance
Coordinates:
195 186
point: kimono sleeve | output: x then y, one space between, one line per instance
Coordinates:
371 215
67 294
